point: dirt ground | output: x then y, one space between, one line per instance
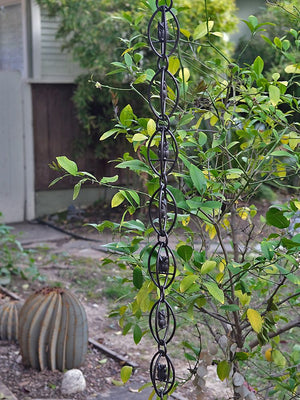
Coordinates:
74 264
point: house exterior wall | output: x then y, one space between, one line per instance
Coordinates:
49 63
11 38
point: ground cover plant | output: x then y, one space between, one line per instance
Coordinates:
14 259
238 279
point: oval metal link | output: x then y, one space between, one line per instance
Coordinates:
162 72
162 322
162 373
174 42
163 272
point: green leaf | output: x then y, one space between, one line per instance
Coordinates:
68 165
276 218
76 191
140 79
57 180
138 278
208 266
234 173
274 94
253 20
109 133
126 372
258 65
281 153
131 196
241 356
201 30
134 225
117 199
109 179
255 319
128 59
117 383
185 252
151 127
137 334
187 282
127 116
139 137
278 358
198 178
223 370
215 291
134 165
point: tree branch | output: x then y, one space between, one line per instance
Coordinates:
284 328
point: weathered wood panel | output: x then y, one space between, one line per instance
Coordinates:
56 129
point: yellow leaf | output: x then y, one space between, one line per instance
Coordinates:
185 32
186 221
294 140
243 212
222 265
171 93
214 119
184 74
127 51
117 200
174 65
281 171
244 298
292 69
255 319
226 223
151 127
220 277
285 139
139 137
211 230
297 204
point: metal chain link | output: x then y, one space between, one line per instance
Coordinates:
162 152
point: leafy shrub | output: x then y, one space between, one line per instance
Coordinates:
238 276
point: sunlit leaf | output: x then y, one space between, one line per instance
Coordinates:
67 164
117 199
215 291
125 373
255 319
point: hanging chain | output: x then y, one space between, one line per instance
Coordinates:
162 156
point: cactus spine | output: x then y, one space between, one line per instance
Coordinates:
9 321
53 330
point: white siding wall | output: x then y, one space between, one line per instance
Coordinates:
55 65
11 41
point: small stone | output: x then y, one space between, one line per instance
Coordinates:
223 342
73 382
19 359
238 379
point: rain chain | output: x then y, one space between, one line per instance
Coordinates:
162 150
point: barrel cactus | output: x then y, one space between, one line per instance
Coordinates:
9 320
53 330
